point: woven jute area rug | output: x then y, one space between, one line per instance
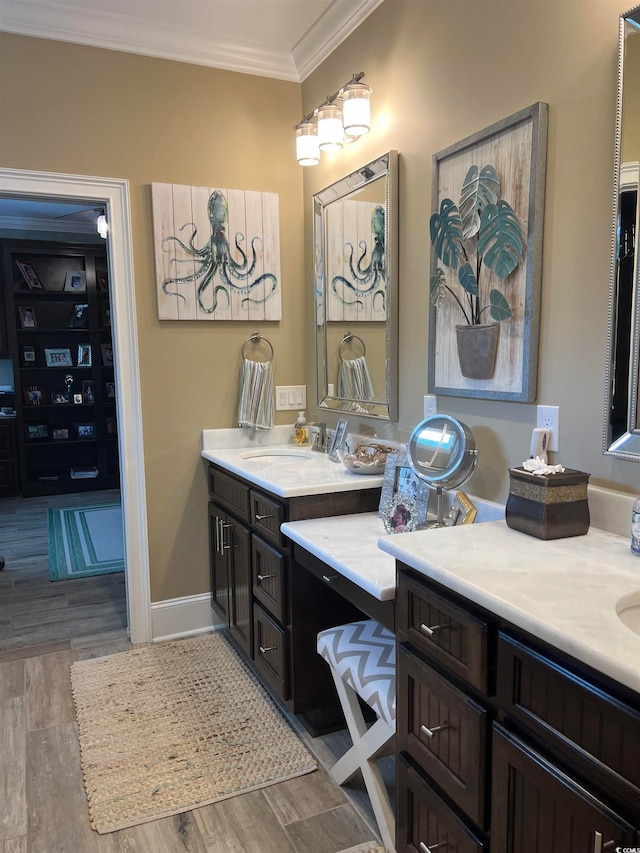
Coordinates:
170 727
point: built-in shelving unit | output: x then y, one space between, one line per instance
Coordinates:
59 337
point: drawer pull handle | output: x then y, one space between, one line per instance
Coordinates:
434 731
598 846
262 517
263 651
265 577
428 848
328 578
431 630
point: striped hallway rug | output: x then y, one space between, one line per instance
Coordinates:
85 541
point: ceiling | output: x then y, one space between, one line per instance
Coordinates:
284 39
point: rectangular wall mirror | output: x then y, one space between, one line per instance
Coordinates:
622 391
355 237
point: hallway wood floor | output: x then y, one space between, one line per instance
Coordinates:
44 628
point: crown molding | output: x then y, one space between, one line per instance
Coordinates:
99 28
339 20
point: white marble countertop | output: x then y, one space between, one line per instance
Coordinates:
349 544
311 473
563 591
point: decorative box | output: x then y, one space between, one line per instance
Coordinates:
548 506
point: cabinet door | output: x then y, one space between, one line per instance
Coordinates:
537 808
218 564
238 537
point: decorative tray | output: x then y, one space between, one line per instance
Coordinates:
367 459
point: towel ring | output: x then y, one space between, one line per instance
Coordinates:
256 338
347 339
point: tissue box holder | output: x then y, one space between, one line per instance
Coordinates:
550 506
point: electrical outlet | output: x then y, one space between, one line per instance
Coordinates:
430 405
549 418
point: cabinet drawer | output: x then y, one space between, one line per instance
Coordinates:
269 578
451 636
572 715
271 651
537 807
445 732
229 492
425 822
266 516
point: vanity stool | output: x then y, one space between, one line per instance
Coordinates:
362 660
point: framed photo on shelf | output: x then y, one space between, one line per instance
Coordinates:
58 357
60 434
400 482
27 317
110 390
59 398
87 391
84 355
77 399
75 281
107 354
112 429
28 356
30 276
86 430
79 317
37 432
106 314
33 395
102 280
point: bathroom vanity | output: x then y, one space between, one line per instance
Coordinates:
518 719
272 613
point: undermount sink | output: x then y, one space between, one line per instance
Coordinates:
277 456
628 610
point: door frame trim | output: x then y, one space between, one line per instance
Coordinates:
114 194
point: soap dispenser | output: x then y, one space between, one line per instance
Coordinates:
301 431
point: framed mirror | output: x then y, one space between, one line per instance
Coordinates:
622 391
355 237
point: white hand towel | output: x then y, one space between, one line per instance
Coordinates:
255 409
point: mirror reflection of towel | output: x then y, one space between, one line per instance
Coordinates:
354 381
255 409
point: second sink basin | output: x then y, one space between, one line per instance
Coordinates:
628 610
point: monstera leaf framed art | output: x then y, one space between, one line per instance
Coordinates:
485 234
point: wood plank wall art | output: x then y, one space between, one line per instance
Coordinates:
356 272
217 253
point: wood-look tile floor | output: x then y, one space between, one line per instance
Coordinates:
43 807
35 610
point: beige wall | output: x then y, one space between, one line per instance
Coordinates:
441 71
72 109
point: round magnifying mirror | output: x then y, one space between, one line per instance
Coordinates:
442 452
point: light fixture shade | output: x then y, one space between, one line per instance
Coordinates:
102 226
330 130
356 109
307 148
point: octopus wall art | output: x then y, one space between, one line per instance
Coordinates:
217 253
356 235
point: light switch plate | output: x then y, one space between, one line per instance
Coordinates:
291 398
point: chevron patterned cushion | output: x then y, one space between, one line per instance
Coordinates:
364 655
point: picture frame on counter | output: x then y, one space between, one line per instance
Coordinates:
401 481
338 439
58 357
400 514
27 317
30 276
75 281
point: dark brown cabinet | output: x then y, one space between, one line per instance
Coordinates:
504 741
272 608
59 338
8 458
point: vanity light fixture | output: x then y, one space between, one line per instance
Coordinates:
343 117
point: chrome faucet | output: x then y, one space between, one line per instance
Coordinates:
319 442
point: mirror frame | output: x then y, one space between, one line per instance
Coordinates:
627 445
384 167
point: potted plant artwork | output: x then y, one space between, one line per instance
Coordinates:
480 240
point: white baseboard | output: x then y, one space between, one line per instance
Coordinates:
182 617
